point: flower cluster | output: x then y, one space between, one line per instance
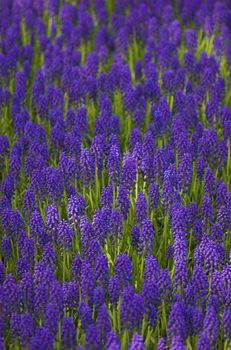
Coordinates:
115 166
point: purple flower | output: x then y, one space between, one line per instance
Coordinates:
76 92
146 235
70 118
217 233
48 256
113 164
6 248
75 209
71 296
210 183
129 99
87 168
136 312
85 315
92 340
11 295
92 63
190 39
128 171
149 143
152 316
43 106
55 184
223 152
170 187
101 270
211 324
73 144
221 194
37 229
165 284
68 334
212 110
203 342
27 292
180 275
180 248
176 321
51 318
178 220
42 339
169 81
103 323
87 234
2 272
123 269
22 266
152 269
21 85
99 297
76 267
226 322
64 234
185 172
15 326
29 202
26 329
206 211
15 165
153 196
56 296
57 136
223 215
7 186
135 236
97 149
101 222
106 197
161 344
137 342
197 231
141 207
213 254
112 341
81 119
200 284
52 7
115 224
125 307
114 290
87 282
135 137
150 294
194 320
52 220
189 62
68 168
200 167
4 147
123 201
177 344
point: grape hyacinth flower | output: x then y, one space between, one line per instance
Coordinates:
75 209
141 207
146 235
65 235
136 342
123 269
115 163
68 334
